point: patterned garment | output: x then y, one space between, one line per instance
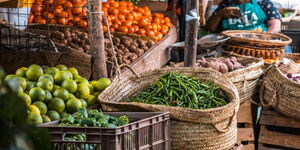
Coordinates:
268 7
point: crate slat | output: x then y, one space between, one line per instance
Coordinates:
274 118
249 147
245 134
244 114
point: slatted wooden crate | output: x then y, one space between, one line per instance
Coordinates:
245 126
278 132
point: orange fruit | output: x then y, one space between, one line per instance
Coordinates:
123 29
150 33
127 23
123 3
131 30
164 29
115 26
141 31
63 14
48 15
52 21
68 4
129 16
167 20
82 24
76 19
62 21
77 10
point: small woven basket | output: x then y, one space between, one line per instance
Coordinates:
281 93
207 129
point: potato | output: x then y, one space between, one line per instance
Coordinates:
223 68
145 48
214 65
125 50
132 48
141 42
133 57
150 43
126 61
229 65
139 52
121 46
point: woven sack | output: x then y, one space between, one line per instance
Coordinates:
207 129
281 93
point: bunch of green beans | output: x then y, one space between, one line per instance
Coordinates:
173 89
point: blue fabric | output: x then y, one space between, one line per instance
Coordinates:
288 49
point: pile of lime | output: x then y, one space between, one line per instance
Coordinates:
51 92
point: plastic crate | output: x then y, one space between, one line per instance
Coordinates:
294 34
147 130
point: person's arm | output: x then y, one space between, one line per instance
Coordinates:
273 15
214 21
274 25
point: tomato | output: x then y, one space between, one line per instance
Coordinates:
58 10
136 28
49 2
115 26
30 18
123 10
140 10
111 29
123 29
129 16
130 8
129 3
105 5
113 11
127 23
159 35
121 17
39 20
78 10
156 20
37 8
104 28
150 33
154 26
76 19
62 21
167 20
117 21
68 4
156 15
141 31
143 22
70 24
148 27
63 14
115 4
164 29
123 3
131 30
82 24
52 21
169 24
158 27
60 2
47 15
77 2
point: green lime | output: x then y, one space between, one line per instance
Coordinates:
83 91
70 74
61 93
76 77
83 102
93 83
102 84
96 94
91 88
46 119
55 87
71 96
41 106
73 105
37 94
25 97
57 104
34 119
34 109
45 84
60 76
69 85
52 71
81 81
22 72
48 96
46 76
53 115
74 71
91 100
34 72
30 85
61 67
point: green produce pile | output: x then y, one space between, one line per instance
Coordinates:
51 92
92 118
173 89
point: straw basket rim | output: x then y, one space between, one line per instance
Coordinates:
231 104
231 33
284 78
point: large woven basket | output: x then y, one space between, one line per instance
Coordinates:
246 80
207 129
281 93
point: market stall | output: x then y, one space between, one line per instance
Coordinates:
90 75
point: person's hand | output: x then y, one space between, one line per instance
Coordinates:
230 12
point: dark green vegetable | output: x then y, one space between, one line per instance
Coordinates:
173 89
68 119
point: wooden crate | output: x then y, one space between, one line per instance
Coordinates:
238 146
278 131
245 126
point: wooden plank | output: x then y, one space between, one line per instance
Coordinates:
244 114
191 35
249 146
156 57
11 3
262 147
280 139
245 134
276 119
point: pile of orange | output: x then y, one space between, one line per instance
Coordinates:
64 12
125 17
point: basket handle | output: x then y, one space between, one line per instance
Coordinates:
217 125
129 68
261 97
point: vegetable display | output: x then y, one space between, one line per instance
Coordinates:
294 77
92 118
51 93
123 16
173 89
127 49
222 65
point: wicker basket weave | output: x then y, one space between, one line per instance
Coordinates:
207 129
281 93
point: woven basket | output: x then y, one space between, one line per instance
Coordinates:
207 129
292 56
281 93
258 39
246 80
